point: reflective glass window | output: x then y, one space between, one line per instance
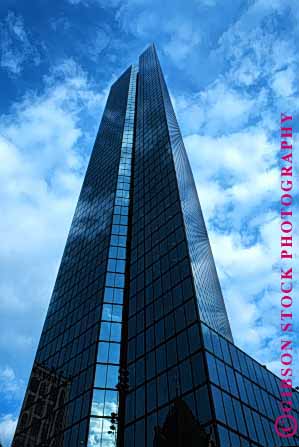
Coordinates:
185 375
98 399
140 433
222 375
115 332
259 428
111 402
194 338
140 401
171 352
216 345
100 378
232 381
198 370
250 423
173 382
229 411
234 439
103 350
182 345
112 376
218 403
203 405
161 358
105 331
151 395
207 337
224 436
162 389
212 368
239 417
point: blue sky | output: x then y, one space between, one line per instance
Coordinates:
230 71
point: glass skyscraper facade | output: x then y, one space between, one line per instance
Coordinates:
136 349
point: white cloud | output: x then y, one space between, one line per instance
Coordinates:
284 82
216 110
242 164
16 46
178 36
183 37
43 158
225 108
236 175
230 132
100 41
249 284
237 179
8 425
42 161
11 387
246 73
253 49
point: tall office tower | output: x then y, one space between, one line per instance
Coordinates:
136 350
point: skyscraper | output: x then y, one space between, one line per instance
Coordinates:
137 349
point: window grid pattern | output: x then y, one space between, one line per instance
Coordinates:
246 395
209 295
105 395
164 361
58 413
170 353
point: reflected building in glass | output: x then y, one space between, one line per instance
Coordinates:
137 349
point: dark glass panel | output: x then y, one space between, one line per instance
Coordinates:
203 405
218 403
